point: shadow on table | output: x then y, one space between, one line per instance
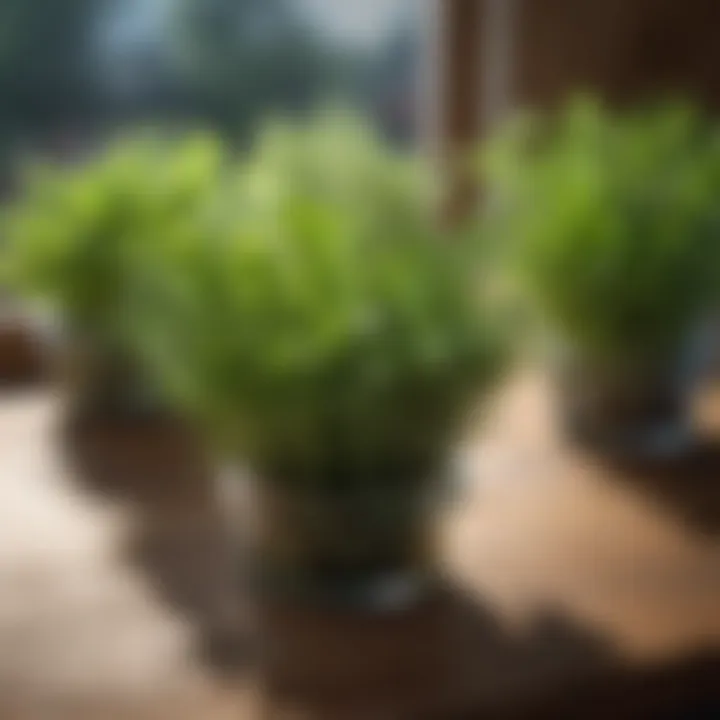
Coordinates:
157 469
683 690
454 658
446 657
179 543
449 657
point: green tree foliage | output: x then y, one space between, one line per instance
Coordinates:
244 58
45 67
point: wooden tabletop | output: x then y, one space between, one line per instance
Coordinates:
572 589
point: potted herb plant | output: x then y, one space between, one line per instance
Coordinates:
70 244
613 221
324 330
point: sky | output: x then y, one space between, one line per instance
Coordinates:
360 22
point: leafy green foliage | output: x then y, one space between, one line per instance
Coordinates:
316 318
74 239
614 220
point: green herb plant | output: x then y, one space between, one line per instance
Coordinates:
73 242
613 221
316 319
70 241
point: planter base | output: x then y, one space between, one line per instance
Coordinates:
304 551
661 440
634 415
156 460
388 593
21 354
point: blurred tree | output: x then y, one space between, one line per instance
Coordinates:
244 58
392 81
44 48
46 73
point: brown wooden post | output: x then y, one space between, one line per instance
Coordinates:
455 102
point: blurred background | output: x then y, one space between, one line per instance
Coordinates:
73 74
587 589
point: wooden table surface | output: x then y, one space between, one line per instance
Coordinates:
573 590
